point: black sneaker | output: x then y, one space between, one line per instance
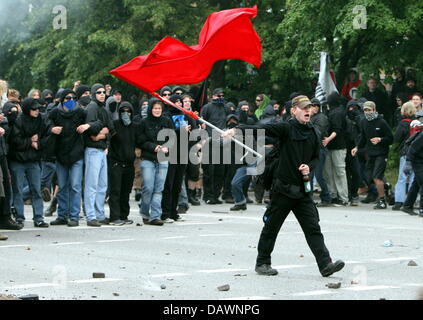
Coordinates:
117 223
138 195
324 204
217 201
211 201
145 221
73 223
104 222
59 222
397 206
40 224
410 211
239 207
369 199
331 268
10 224
381 204
93 223
156 222
266 270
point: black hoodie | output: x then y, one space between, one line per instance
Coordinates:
149 130
69 144
21 149
123 143
96 111
375 128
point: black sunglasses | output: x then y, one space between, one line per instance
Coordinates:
221 95
70 98
166 94
101 92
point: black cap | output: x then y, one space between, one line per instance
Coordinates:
218 91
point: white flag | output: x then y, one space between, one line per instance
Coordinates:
325 86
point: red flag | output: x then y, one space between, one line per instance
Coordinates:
227 34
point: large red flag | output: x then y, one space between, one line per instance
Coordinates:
228 34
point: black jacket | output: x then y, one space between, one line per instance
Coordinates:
97 111
321 121
415 151
375 128
299 144
20 138
337 123
69 145
401 134
123 143
148 132
215 114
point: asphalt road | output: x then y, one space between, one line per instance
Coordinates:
189 260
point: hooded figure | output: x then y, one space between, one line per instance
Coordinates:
83 100
48 96
121 158
265 109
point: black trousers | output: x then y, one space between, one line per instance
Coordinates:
5 203
307 215
172 188
121 178
416 186
352 167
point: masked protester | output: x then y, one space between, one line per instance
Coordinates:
121 157
83 95
299 155
214 112
68 125
96 143
376 136
29 139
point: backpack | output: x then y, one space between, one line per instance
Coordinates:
410 140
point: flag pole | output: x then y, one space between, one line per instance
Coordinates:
196 117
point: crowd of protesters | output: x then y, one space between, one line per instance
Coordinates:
84 147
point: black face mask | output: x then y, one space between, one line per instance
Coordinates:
232 125
12 116
84 101
48 100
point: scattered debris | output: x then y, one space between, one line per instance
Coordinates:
167 253
94 297
38 235
139 225
229 264
388 243
116 294
354 282
28 248
220 219
98 275
334 285
301 256
240 275
162 287
220 212
225 287
412 263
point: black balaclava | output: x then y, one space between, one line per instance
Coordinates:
231 125
27 104
10 115
45 93
124 116
94 89
83 101
174 98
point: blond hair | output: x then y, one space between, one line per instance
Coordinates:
408 109
3 87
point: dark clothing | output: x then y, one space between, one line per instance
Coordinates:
401 134
148 132
121 177
321 122
375 128
415 151
337 123
20 142
69 145
215 114
307 215
97 112
172 189
376 166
